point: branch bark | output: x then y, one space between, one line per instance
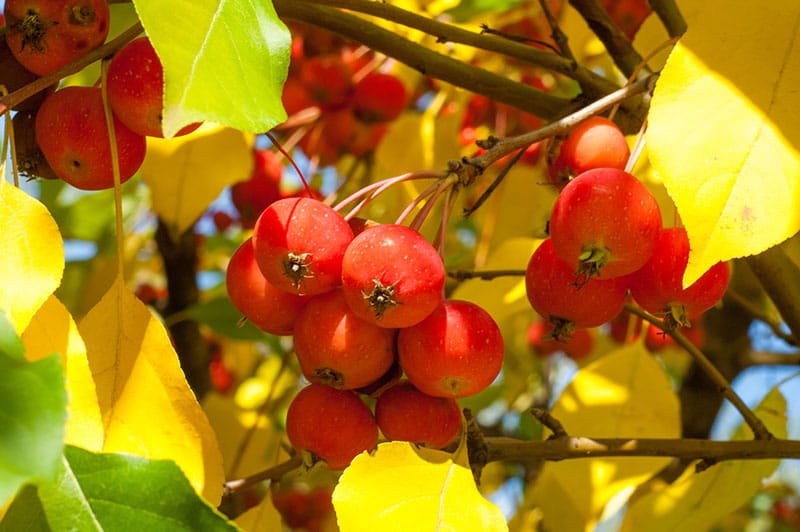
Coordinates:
780 278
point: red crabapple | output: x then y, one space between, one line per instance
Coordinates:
379 97
71 132
540 338
596 142
392 276
456 351
335 425
299 244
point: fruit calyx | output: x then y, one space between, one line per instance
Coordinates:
82 15
33 29
381 298
330 377
590 264
297 267
562 329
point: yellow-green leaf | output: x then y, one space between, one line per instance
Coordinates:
626 393
675 507
224 61
31 255
146 404
52 330
723 129
401 487
185 174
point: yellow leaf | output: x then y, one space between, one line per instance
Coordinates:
405 488
31 255
626 393
675 507
724 133
147 406
52 330
185 174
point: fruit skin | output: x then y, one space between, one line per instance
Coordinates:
406 414
299 244
577 347
552 292
136 89
596 142
334 425
657 286
304 507
337 348
605 223
260 190
457 351
379 97
328 79
71 132
45 35
392 276
272 310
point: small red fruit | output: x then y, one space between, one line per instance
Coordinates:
596 142
337 348
335 425
392 276
299 244
658 286
136 89
328 79
260 190
457 351
605 223
303 507
45 35
272 310
379 97
406 414
71 132
552 292
540 338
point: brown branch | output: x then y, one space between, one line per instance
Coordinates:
670 15
11 100
616 42
273 473
592 84
754 312
509 449
780 278
488 275
428 62
559 37
723 386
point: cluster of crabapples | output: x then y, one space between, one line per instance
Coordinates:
364 304
70 137
607 241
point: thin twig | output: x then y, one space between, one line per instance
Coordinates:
754 312
558 36
545 418
488 275
723 386
273 473
496 183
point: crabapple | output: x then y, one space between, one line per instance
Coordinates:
605 223
45 35
260 190
404 413
71 132
299 244
335 425
328 79
456 351
379 97
658 286
270 309
553 293
392 276
337 348
540 338
596 142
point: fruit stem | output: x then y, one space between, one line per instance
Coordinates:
283 152
112 140
373 190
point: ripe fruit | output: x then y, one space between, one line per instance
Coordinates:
15 76
552 292
596 142
337 348
268 308
252 196
379 97
335 425
455 352
541 340
657 286
45 35
303 507
404 413
136 89
71 131
30 159
299 244
392 276
605 223
328 79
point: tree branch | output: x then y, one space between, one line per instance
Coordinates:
670 15
428 62
779 276
591 83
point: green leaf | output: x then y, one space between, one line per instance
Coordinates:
114 492
467 9
33 413
220 314
224 61
10 343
